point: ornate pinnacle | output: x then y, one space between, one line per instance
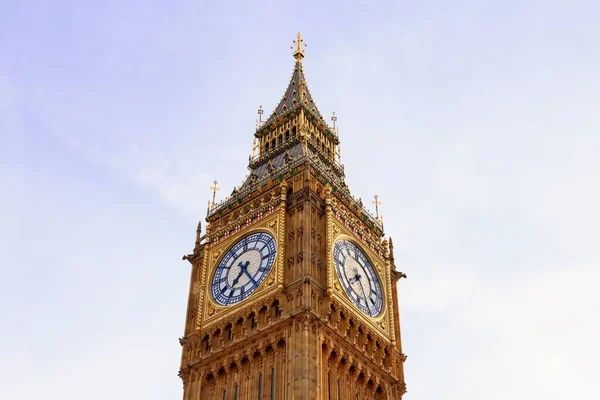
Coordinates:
299 47
214 188
377 204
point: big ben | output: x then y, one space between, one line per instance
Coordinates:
293 289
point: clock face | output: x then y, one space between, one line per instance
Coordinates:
358 278
243 268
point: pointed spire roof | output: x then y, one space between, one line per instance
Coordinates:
297 92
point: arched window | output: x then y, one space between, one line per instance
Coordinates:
229 332
272 383
260 387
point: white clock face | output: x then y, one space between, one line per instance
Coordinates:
243 268
359 280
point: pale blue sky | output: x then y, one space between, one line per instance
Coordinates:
116 116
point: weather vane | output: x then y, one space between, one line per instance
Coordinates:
377 204
299 46
215 188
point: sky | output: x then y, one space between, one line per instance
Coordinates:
476 122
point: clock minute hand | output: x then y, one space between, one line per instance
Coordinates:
365 296
243 268
250 277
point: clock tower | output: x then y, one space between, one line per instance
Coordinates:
293 285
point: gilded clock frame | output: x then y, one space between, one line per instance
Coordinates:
373 267
214 312
383 322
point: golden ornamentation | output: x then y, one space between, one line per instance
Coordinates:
224 346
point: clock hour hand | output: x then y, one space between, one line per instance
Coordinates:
243 268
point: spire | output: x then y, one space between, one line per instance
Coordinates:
297 92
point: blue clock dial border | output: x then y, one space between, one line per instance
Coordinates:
373 304
225 294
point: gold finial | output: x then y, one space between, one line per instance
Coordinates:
214 188
299 47
377 204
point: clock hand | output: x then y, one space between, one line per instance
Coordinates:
250 277
356 278
365 296
237 278
243 268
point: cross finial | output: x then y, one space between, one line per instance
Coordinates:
334 118
377 204
299 47
215 188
